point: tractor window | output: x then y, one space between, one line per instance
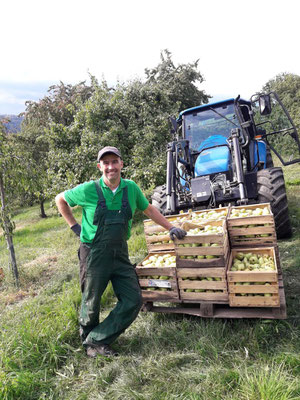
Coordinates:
201 125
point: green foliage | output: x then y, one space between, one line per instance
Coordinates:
287 86
131 116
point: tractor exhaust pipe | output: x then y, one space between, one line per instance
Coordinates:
235 136
170 193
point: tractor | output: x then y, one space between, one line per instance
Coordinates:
222 155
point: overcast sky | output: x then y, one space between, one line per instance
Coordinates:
240 44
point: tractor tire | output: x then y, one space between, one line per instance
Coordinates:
159 199
271 189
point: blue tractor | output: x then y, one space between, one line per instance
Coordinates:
221 155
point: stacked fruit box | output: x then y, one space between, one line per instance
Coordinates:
251 225
157 277
197 284
157 238
253 278
204 245
202 258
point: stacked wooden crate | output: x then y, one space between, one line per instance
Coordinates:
158 278
252 269
251 225
253 278
157 273
201 261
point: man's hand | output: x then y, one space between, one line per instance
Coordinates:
76 229
177 232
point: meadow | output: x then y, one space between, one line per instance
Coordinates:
162 356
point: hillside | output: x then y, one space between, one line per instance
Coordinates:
12 123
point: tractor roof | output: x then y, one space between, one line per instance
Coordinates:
206 106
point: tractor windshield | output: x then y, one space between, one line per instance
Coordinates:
202 124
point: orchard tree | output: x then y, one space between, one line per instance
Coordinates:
42 120
10 171
132 116
287 86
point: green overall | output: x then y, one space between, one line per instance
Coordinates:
108 261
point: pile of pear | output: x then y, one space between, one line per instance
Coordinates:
160 261
205 230
212 215
253 262
249 212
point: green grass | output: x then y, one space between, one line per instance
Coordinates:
162 356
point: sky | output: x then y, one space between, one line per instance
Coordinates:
240 45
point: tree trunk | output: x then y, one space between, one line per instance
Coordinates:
42 209
7 228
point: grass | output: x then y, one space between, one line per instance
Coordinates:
162 356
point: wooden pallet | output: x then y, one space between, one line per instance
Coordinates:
219 310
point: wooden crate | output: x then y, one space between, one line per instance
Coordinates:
251 230
158 239
204 216
158 283
175 220
198 284
259 283
200 248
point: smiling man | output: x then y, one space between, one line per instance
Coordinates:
108 207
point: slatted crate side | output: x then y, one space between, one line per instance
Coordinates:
256 236
192 285
254 288
215 272
254 301
159 242
195 297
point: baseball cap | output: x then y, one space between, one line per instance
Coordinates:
108 149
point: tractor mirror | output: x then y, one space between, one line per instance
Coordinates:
173 125
265 104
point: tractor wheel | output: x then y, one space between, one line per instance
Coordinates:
271 189
159 198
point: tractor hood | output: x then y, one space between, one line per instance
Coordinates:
214 156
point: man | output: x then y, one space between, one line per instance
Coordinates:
108 206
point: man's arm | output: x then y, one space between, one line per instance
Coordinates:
65 209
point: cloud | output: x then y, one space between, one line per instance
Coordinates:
13 95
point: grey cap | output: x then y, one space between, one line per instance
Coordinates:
106 150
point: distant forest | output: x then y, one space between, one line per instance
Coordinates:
12 123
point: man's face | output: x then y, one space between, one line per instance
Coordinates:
111 165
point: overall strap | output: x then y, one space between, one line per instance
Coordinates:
100 195
125 197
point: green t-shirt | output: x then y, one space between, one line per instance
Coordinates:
85 195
